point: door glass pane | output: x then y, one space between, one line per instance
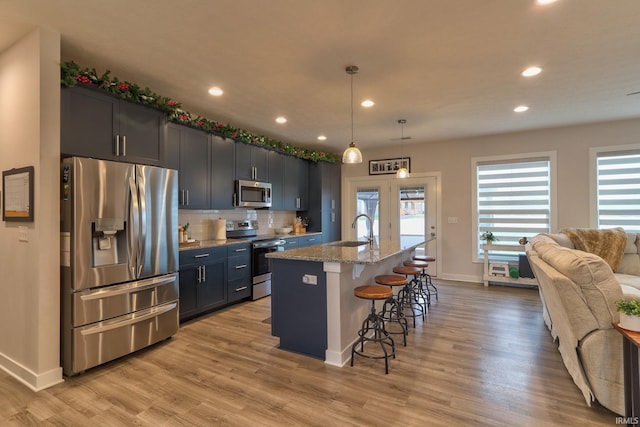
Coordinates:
369 204
412 211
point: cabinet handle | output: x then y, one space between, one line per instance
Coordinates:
241 289
333 203
238 267
240 250
201 256
124 146
182 197
204 273
199 279
187 197
311 239
298 202
333 217
117 146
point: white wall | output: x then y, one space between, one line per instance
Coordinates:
29 271
453 159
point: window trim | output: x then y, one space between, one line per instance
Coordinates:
593 175
553 214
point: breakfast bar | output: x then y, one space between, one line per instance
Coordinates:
313 308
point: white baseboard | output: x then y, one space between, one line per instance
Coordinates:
461 278
35 381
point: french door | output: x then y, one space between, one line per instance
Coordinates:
397 207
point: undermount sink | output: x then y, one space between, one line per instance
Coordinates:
350 243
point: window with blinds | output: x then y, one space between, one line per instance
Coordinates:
513 201
618 190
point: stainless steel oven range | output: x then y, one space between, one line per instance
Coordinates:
260 246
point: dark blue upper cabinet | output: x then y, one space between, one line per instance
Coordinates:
97 124
251 162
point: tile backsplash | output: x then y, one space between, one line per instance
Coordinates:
201 221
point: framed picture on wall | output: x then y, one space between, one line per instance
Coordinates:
17 194
388 166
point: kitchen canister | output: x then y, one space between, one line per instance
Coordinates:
220 229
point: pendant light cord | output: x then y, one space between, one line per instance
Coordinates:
351 107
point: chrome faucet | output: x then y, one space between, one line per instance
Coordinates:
355 220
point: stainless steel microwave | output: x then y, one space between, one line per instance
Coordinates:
252 194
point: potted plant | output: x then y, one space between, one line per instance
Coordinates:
488 237
629 314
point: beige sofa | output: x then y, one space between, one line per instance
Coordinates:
578 290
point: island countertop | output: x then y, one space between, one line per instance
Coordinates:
361 254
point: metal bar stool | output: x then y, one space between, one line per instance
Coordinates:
422 289
407 296
373 329
392 310
428 258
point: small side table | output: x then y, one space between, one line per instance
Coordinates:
630 343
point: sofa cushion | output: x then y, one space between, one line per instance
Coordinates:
592 275
607 244
628 280
631 247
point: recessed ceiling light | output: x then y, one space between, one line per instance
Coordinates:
531 71
521 109
367 103
545 1
281 120
215 91
322 138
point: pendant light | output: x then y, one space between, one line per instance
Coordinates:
352 154
402 172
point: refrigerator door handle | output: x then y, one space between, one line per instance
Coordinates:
134 229
142 206
129 288
152 313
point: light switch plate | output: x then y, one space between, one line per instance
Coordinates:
22 234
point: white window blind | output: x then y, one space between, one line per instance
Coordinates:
513 201
619 190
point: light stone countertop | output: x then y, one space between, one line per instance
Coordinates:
362 254
202 244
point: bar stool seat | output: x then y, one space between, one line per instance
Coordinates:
408 297
427 258
392 309
373 329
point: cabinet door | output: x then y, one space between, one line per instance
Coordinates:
222 161
251 162
142 132
193 174
296 184
188 291
276 178
212 289
88 123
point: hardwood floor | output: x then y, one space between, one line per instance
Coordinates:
483 357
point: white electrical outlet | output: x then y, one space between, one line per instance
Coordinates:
310 279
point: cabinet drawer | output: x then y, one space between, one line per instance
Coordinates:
238 289
239 267
290 243
309 240
195 256
239 249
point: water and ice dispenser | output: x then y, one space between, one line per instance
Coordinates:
109 241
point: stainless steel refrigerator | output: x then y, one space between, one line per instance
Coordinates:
119 258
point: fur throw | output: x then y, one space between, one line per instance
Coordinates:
607 244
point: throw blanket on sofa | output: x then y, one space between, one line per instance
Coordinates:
607 244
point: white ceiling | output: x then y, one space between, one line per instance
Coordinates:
450 67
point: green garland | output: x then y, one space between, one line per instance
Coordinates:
71 74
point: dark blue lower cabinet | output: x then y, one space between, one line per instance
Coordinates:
299 310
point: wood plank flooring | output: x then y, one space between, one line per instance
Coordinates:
482 357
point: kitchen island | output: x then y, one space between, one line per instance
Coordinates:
313 308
